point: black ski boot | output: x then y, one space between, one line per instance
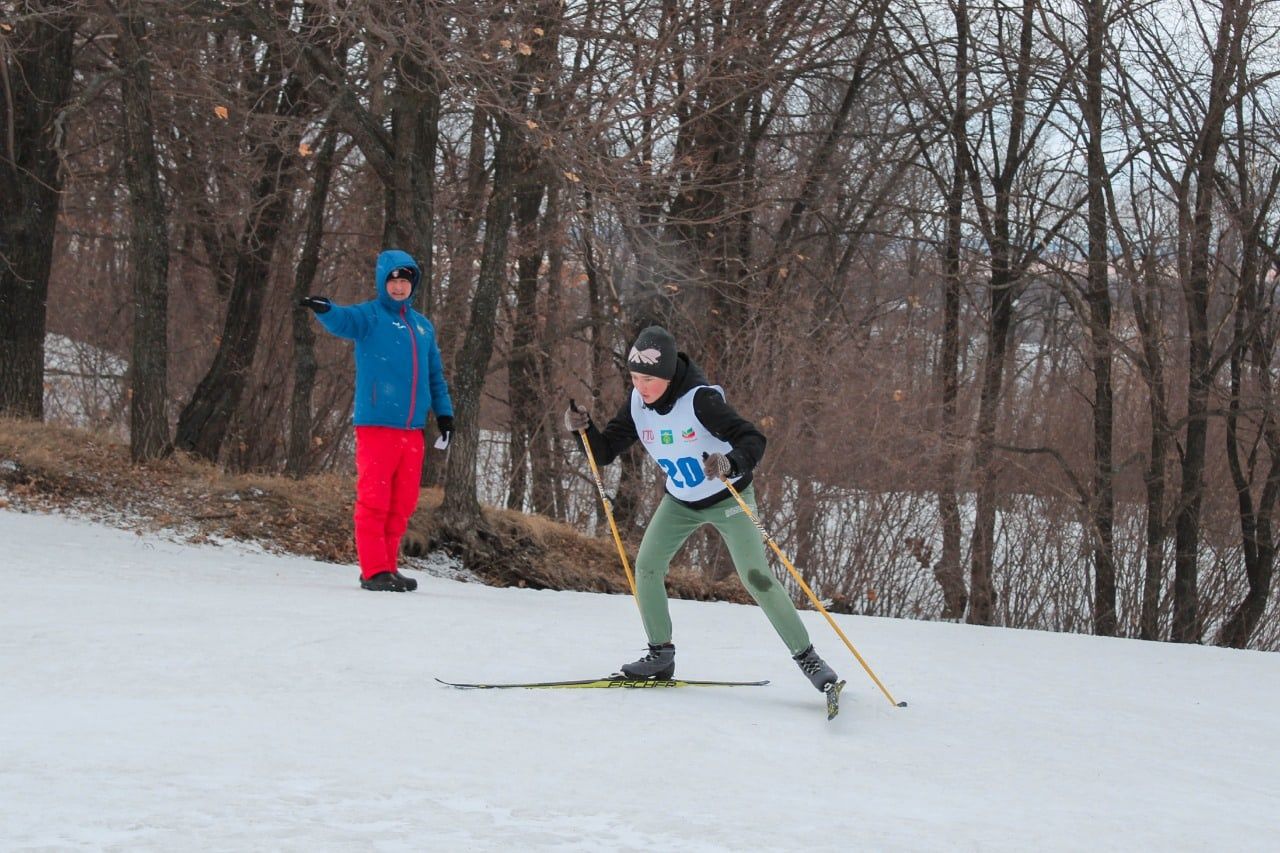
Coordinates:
658 665
384 582
815 669
409 583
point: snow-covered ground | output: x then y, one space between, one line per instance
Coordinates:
162 696
85 386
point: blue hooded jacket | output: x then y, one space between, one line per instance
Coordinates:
399 376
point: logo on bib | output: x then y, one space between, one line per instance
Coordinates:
668 437
689 434
647 436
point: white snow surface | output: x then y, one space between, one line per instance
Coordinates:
164 696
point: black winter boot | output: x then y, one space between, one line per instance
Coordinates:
384 582
658 665
409 583
815 669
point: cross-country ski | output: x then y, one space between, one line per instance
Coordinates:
606 683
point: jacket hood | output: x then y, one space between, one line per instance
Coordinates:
688 375
389 260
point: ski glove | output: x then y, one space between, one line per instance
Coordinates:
445 424
318 304
575 419
718 466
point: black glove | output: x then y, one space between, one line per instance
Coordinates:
445 424
317 304
575 419
717 466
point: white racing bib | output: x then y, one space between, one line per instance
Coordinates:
676 441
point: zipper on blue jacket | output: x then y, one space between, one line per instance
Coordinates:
413 348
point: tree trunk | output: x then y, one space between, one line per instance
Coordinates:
808 527
1256 537
36 86
1252 341
1004 288
948 570
415 131
301 421
461 508
148 248
469 219
452 306
547 487
527 375
1196 286
1099 301
1154 480
525 390
982 601
206 420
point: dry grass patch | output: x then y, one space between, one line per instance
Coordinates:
47 467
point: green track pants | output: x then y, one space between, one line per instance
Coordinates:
672 525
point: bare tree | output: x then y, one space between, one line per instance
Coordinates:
35 88
527 370
951 180
461 508
1023 93
301 426
148 242
1098 296
1187 161
1140 264
1083 45
1250 193
274 93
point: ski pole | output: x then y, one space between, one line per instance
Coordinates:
816 603
608 508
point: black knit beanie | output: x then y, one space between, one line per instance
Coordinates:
653 354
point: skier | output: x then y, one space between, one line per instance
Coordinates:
398 379
696 437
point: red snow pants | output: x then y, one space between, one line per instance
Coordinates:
388 468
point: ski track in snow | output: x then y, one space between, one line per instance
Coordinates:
164 696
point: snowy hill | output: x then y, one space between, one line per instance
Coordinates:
162 696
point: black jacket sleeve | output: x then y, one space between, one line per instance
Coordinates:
727 425
619 434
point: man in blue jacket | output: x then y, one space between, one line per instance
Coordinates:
399 379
